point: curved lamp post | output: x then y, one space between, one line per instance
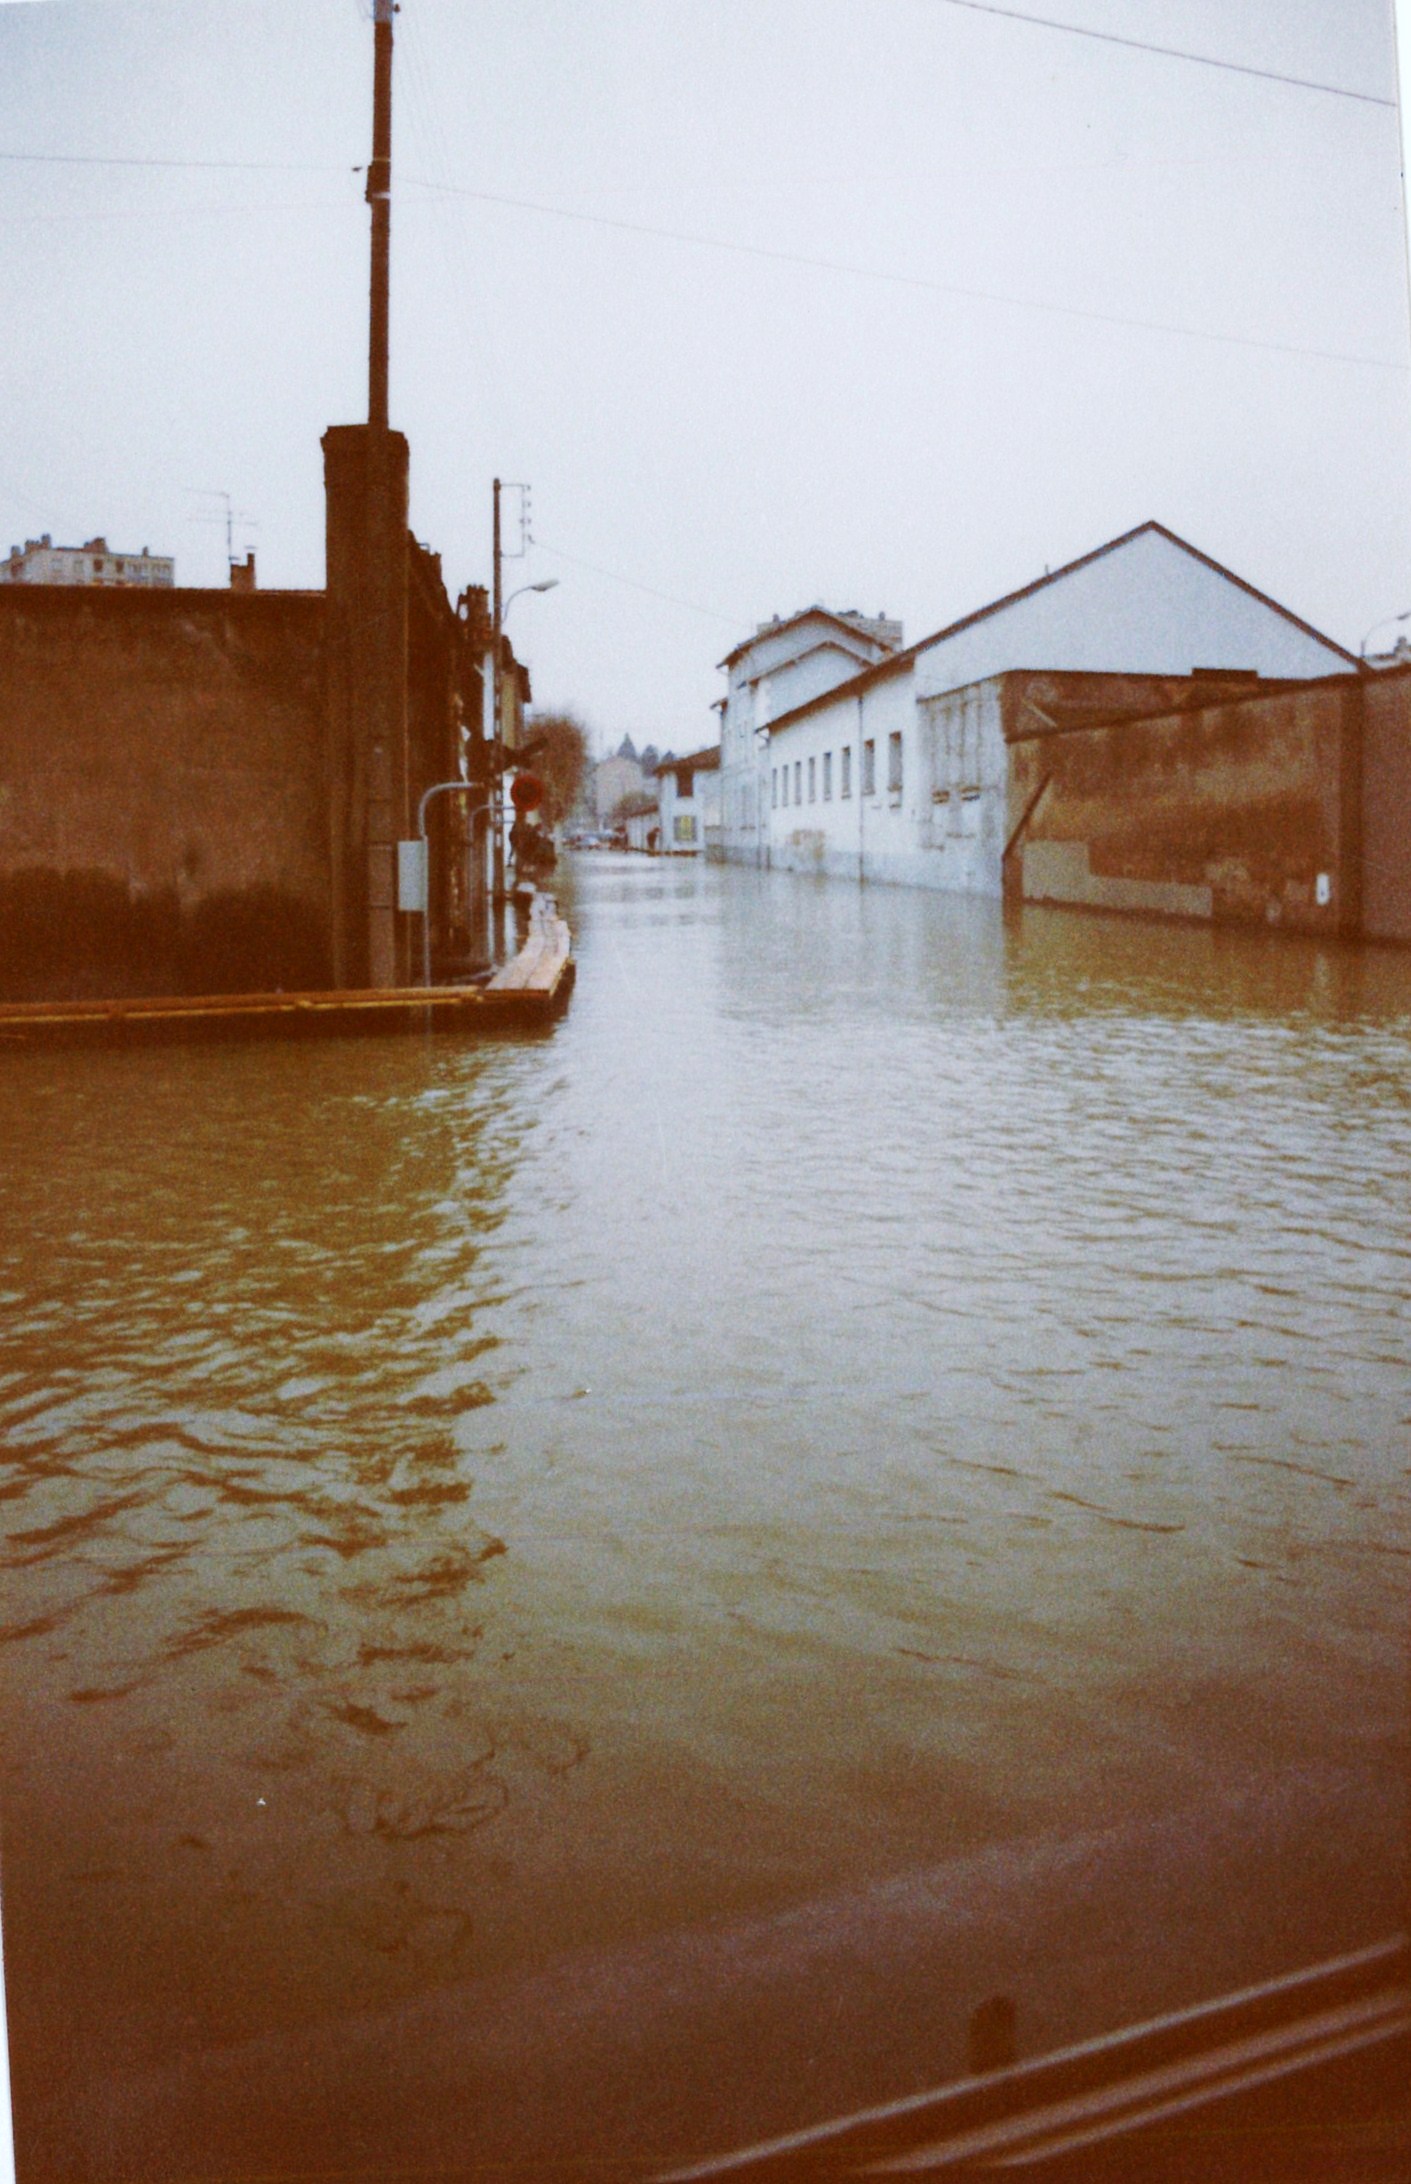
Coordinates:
497 802
437 788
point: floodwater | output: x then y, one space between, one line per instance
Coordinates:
591 1597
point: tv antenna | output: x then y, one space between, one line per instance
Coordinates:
228 514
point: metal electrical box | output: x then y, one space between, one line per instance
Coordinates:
411 876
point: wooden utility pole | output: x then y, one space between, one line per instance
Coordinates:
379 196
497 755
366 472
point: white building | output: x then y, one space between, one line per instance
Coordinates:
688 803
900 772
615 777
783 665
40 561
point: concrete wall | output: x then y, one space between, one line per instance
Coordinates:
1242 811
201 791
164 811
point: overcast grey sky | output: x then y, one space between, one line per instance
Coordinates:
1030 289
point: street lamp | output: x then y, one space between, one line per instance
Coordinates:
547 583
550 583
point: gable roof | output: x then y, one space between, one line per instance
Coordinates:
694 762
789 621
898 660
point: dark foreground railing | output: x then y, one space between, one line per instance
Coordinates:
1063 2114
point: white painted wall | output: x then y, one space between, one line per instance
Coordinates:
779 669
815 827
1146 608
686 823
819 670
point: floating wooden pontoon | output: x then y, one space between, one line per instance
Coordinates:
524 995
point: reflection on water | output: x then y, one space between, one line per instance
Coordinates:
653 1515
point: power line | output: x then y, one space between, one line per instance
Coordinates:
912 280
731 621
800 258
130 213
223 166
1170 53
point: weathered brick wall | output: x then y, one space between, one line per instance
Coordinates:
164 806
1229 810
1386 829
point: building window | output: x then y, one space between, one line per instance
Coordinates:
684 826
798 780
845 785
774 788
869 768
894 762
827 777
813 781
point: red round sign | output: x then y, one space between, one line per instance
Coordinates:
526 792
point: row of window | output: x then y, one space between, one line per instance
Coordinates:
815 773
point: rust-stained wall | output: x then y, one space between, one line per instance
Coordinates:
194 797
1386 830
1229 809
164 818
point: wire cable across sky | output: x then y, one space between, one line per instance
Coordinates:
920 281
768 252
1169 53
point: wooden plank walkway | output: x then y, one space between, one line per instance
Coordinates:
526 994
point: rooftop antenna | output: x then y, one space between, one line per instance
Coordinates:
230 515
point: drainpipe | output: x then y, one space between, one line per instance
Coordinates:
861 814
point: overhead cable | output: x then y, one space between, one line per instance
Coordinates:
711 614
914 280
223 166
1170 53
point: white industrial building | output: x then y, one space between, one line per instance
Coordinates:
900 771
40 561
783 665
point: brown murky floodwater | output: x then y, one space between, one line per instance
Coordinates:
593 1596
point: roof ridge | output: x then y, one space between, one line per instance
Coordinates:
881 668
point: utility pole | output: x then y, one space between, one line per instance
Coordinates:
379 196
497 756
